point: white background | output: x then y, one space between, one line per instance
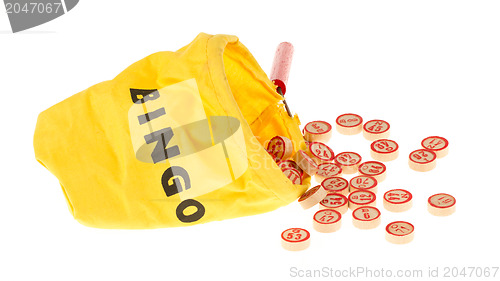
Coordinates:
427 67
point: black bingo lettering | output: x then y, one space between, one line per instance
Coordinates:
161 152
170 179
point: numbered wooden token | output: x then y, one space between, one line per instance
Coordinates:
384 150
399 232
320 152
422 160
295 239
305 162
373 169
285 164
361 198
437 144
441 204
349 124
398 200
327 221
376 129
293 175
334 201
320 131
327 170
280 148
336 185
363 183
348 161
312 197
366 217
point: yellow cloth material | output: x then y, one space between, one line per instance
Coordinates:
175 139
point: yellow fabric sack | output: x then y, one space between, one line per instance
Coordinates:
175 139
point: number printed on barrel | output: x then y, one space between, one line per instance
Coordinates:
422 156
333 200
400 228
376 126
329 170
442 200
317 127
335 184
384 146
349 120
348 158
397 196
435 143
285 164
363 182
372 168
295 235
327 216
362 197
276 148
366 213
321 151
293 175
